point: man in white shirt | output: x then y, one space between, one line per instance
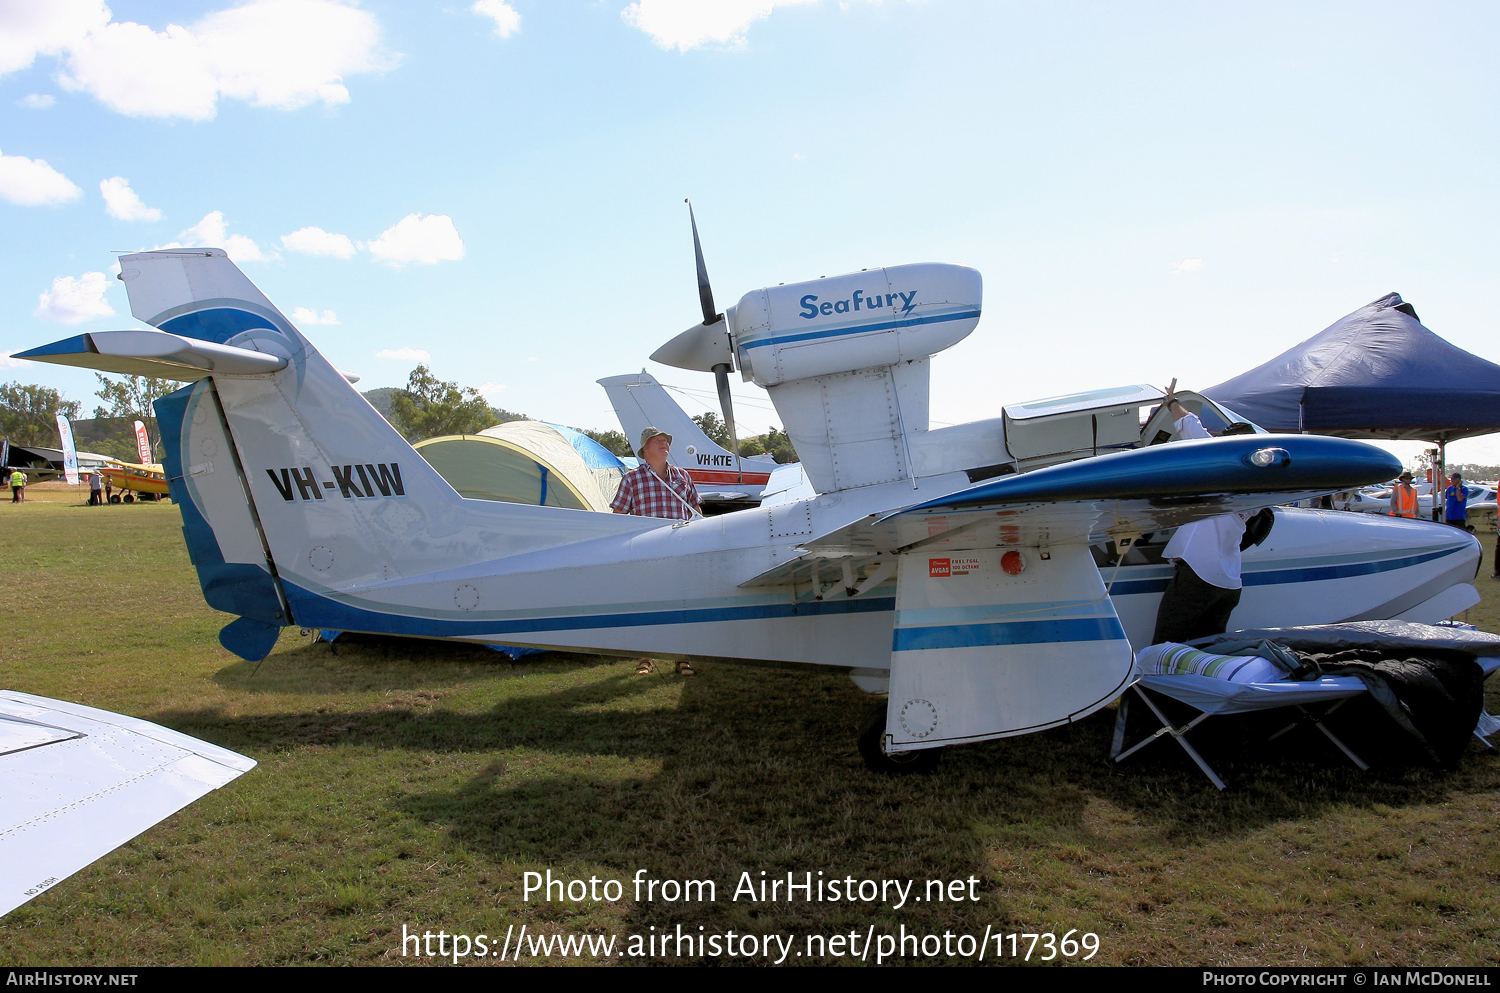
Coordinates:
1205 587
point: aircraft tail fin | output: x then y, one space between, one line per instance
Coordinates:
640 402
299 501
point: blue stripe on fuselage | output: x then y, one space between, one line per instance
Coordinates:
1302 574
1008 633
862 328
311 609
315 610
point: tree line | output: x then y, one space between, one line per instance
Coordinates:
28 415
774 442
427 407
430 407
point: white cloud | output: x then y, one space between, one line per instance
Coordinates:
685 24
212 232
32 182
36 101
306 315
242 249
405 354
122 203
424 240
283 54
490 389
45 27
1187 265
73 301
507 21
7 362
316 241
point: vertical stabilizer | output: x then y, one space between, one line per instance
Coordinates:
640 402
297 497
197 293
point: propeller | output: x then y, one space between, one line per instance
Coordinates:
711 316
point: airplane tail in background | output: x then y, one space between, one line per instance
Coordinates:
641 402
299 501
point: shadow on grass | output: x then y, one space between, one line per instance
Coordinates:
756 770
363 663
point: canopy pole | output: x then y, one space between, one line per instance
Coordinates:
1440 478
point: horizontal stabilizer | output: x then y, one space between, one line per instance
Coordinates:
156 353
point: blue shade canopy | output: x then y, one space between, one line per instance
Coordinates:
1377 373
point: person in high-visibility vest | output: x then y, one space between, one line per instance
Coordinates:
18 487
1404 497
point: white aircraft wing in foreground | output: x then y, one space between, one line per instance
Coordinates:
77 783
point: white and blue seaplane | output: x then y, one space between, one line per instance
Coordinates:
979 574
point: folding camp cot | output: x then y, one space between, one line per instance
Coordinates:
1212 697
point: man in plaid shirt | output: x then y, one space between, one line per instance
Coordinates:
656 488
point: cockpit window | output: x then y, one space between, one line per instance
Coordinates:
1222 417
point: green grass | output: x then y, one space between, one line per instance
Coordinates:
413 783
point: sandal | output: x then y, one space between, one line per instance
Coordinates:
645 668
685 669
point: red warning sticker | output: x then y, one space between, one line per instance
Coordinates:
952 566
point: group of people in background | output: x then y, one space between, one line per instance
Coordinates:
1455 508
101 490
1455 500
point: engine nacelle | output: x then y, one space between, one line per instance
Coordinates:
878 317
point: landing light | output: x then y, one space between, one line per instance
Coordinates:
1264 458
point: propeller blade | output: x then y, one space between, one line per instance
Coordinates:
711 315
721 378
705 292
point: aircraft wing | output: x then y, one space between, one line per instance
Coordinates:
1112 496
78 783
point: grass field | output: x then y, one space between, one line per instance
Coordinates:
406 783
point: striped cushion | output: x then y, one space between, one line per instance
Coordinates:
1170 659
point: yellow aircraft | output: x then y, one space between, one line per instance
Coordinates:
132 476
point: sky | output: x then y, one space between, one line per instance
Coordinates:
1151 191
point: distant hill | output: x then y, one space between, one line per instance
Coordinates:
381 400
111 436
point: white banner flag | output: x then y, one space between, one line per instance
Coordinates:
70 454
142 443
